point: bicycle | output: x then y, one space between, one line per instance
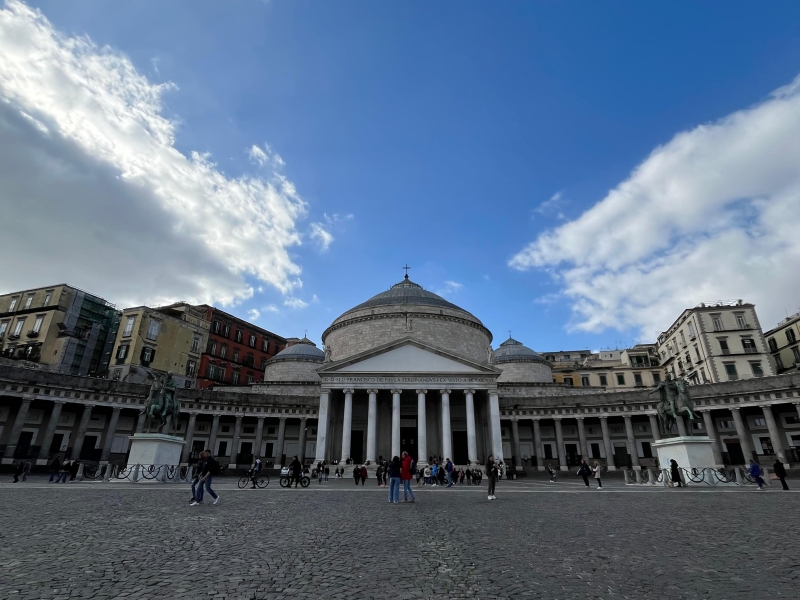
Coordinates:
287 480
262 480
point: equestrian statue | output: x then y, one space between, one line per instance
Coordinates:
675 402
161 404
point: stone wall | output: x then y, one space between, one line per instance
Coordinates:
534 372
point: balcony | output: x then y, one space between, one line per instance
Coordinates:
33 333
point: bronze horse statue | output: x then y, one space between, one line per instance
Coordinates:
162 403
675 401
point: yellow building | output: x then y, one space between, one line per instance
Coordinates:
617 370
168 339
784 344
62 328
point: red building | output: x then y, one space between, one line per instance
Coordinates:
237 351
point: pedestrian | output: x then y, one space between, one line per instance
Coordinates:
327 472
777 468
210 469
675 472
379 475
418 475
426 479
468 475
363 472
26 469
356 474
73 469
448 472
55 467
385 473
64 472
394 480
255 471
552 472
597 470
435 473
407 470
755 473
461 477
440 475
296 469
18 468
584 471
492 473
196 479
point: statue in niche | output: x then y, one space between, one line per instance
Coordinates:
490 353
328 353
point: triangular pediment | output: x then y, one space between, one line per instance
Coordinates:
406 356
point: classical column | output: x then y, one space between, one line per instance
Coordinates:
16 429
396 422
140 422
347 425
422 429
562 455
237 432
607 444
654 427
681 426
259 438
212 437
281 437
774 434
372 420
582 440
55 414
711 431
322 425
631 442
537 441
743 434
301 453
472 437
112 429
515 442
447 436
797 408
86 416
494 418
186 454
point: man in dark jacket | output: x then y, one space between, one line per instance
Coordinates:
198 470
780 472
210 468
55 467
297 471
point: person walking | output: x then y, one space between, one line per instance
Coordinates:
255 470
492 472
552 472
64 472
407 468
296 469
598 470
363 472
379 475
26 469
210 469
448 472
426 479
356 474
196 479
777 468
755 473
395 468
327 472
73 469
675 473
18 468
468 475
55 467
584 471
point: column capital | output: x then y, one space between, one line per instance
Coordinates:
445 391
372 391
603 417
117 409
471 392
421 392
396 391
61 402
239 417
627 417
348 391
580 418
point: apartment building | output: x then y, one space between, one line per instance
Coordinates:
714 342
566 364
60 327
783 342
617 370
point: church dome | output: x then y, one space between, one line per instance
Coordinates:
513 351
305 349
298 362
520 364
407 310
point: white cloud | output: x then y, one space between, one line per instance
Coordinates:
552 207
450 287
253 313
322 236
271 308
293 302
713 214
90 169
265 156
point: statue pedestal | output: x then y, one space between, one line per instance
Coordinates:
690 452
155 449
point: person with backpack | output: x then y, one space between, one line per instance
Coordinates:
408 469
210 469
492 473
584 471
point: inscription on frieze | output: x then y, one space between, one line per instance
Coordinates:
401 380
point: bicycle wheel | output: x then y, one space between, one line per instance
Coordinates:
243 481
262 481
285 481
305 481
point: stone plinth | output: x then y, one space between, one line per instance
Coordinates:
155 449
690 452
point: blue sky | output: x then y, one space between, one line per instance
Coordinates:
576 173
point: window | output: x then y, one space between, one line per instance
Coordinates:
196 343
235 378
757 370
697 353
749 345
740 322
620 378
249 379
796 354
730 370
688 358
116 374
703 375
223 351
683 340
637 379
656 378
191 368
779 363
265 345
3 328
717 321
759 422
128 331
214 348
37 324
725 424
152 329
773 346
252 341
147 355
585 381
790 336
263 363
48 294
122 352
29 301
603 380
239 335
18 328
235 355
698 426
566 357
216 326
723 345
647 450
568 380
227 331
13 304
692 333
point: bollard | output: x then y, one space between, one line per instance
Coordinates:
665 473
79 476
107 473
652 471
135 476
638 473
709 476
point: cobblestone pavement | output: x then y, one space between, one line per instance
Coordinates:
537 540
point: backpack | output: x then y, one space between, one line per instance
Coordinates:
413 468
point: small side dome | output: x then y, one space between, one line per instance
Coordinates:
305 349
513 351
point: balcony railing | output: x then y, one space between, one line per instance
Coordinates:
33 333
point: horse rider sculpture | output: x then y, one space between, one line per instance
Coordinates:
675 402
161 404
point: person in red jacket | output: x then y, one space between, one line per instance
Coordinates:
407 470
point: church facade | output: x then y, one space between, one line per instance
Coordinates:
405 370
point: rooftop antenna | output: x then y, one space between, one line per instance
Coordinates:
406 268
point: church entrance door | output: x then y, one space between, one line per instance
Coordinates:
460 449
408 441
357 447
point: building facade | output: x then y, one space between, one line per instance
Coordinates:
59 327
636 367
783 342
